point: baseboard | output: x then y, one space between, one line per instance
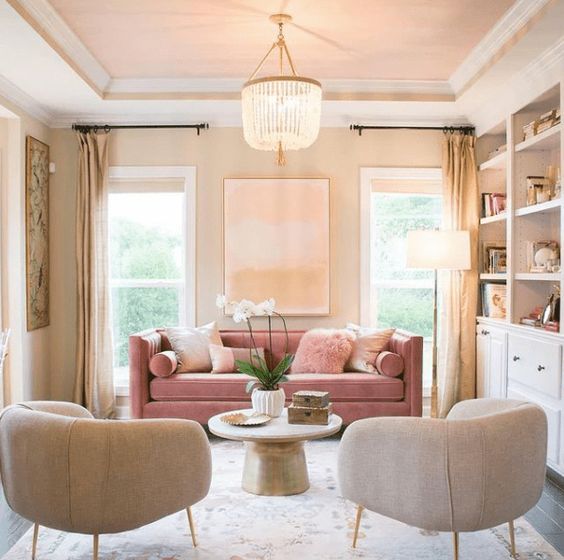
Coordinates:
555 477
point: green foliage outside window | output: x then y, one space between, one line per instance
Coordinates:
139 252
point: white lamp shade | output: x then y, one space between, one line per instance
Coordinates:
439 249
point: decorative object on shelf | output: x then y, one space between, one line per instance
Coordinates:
266 394
438 250
551 311
493 204
37 233
533 318
499 150
555 180
494 300
242 419
495 258
281 112
538 190
310 407
543 256
277 242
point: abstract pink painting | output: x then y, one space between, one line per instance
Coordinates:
276 243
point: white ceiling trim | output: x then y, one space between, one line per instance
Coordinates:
24 101
40 14
502 32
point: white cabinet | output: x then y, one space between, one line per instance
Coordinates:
491 360
525 364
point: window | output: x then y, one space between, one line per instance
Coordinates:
394 296
150 275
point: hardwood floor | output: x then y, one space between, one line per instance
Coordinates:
12 526
547 517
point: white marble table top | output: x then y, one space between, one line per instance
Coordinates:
277 430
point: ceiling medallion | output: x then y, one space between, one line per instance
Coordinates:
281 112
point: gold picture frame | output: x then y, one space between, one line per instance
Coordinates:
37 233
277 242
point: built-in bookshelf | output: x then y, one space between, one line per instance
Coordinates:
524 168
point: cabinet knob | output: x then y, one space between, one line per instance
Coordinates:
485 332
516 358
540 368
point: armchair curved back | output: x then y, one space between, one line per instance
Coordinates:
65 470
482 466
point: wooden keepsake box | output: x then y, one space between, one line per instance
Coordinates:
309 415
313 399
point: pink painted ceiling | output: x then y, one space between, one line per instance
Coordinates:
356 39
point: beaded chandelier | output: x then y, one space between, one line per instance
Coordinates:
281 112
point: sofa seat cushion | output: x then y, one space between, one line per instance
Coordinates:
343 387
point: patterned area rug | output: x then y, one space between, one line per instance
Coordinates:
234 525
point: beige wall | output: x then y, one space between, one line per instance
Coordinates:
219 153
27 371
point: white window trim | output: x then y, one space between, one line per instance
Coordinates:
368 175
186 174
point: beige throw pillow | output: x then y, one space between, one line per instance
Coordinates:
366 347
191 346
223 358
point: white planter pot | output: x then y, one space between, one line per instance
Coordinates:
268 402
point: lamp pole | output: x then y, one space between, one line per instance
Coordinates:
434 374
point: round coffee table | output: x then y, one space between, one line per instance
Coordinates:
275 462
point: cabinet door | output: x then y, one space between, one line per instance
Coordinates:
497 366
482 361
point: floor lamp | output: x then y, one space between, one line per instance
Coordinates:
438 250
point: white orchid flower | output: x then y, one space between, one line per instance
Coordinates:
221 301
268 306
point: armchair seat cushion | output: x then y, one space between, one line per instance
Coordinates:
344 387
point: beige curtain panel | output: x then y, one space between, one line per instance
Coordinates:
457 340
94 385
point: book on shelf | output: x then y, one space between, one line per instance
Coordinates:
493 204
495 258
544 122
533 319
493 300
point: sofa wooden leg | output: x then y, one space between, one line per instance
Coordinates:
192 528
359 511
512 538
455 545
95 548
34 543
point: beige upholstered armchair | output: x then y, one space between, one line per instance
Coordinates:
481 467
65 470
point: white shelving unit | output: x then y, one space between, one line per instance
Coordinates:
515 360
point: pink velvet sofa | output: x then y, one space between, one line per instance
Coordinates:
199 396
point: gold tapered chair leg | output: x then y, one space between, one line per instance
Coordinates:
359 511
455 544
192 529
512 538
95 548
34 544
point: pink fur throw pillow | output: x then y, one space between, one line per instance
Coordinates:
323 351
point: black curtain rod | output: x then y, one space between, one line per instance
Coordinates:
108 127
464 129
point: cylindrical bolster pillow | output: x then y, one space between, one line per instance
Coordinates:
163 364
389 363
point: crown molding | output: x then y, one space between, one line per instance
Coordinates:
230 89
497 42
46 21
24 101
533 80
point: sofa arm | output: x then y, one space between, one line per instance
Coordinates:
142 347
410 347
